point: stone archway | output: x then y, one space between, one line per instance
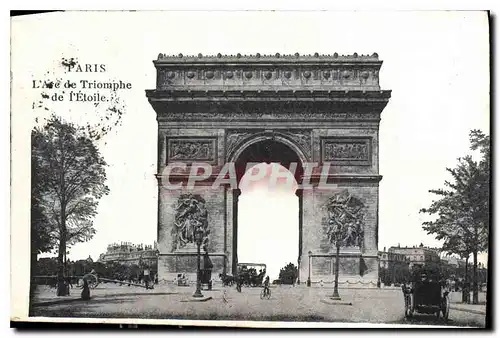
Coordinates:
225 109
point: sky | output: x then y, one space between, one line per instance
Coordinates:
435 63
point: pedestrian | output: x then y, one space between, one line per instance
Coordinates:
85 290
146 278
224 296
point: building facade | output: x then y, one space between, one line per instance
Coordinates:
129 254
417 255
388 259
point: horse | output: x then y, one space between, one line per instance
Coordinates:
227 280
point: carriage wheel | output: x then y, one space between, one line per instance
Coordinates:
446 307
411 305
265 293
91 280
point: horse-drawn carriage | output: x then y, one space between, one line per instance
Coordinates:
251 274
426 294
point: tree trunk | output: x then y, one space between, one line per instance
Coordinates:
61 290
465 287
61 285
34 259
475 294
336 286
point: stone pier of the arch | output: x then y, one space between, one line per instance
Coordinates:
325 109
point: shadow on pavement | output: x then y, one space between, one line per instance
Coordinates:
94 298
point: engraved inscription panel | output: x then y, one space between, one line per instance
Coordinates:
191 149
346 151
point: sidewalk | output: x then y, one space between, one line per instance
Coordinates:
479 309
456 303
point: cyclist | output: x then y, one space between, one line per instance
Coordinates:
266 286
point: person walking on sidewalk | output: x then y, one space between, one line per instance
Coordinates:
85 290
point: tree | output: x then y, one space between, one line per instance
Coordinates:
73 175
288 274
345 226
463 208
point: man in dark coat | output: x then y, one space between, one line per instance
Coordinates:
207 267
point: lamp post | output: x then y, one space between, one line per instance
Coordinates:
335 295
199 238
309 277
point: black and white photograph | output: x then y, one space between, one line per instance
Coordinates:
302 169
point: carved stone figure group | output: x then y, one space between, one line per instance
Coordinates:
345 220
190 215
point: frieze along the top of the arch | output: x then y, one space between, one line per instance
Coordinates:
276 109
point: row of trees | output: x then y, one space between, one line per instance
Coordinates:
399 273
463 209
288 274
67 180
110 270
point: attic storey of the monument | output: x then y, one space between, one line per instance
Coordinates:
307 109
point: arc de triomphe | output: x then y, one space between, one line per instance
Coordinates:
303 109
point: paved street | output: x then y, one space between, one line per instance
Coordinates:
286 304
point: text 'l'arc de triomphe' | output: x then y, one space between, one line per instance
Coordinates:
284 108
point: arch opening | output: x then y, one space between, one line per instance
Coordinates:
267 223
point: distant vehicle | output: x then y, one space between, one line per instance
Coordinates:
251 274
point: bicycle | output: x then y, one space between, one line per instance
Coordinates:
265 293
